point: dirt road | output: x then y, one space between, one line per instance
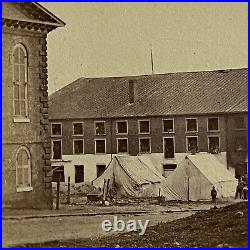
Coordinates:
42 230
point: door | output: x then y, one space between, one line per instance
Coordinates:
169 147
79 173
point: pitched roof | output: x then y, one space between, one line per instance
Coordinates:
22 13
184 93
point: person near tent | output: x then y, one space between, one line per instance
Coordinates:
239 189
245 191
214 195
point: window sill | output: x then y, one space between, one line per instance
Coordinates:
213 131
192 153
24 189
21 120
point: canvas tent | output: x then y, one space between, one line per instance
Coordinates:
133 178
195 176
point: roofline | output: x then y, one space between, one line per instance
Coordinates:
60 22
33 21
160 74
150 116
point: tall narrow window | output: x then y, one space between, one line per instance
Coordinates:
56 149
20 81
23 170
168 147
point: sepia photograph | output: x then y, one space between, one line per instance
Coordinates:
124 124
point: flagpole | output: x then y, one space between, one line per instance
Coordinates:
152 59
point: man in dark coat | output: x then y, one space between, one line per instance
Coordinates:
214 194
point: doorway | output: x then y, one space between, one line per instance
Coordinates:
79 173
100 168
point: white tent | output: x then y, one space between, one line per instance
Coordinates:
133 178
195 176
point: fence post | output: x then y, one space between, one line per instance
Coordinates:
58 195
68 197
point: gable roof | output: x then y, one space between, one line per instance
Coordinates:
24 13
211 168
183 93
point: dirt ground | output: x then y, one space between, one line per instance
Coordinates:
218 227
140 206
41 230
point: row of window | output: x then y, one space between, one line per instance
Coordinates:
144 126
144 146
79 172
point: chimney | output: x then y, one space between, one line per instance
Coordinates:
131 91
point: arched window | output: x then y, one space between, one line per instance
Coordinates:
23 169
20 81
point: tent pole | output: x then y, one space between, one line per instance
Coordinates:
188 188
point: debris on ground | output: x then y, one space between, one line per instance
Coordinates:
212 228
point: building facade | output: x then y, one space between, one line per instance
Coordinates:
160 118
26 166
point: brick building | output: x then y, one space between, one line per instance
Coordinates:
161 118
26 166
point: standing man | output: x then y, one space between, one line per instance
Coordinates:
239 189
214 195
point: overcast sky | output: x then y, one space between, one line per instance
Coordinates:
114 39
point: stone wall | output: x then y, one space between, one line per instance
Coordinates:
33 134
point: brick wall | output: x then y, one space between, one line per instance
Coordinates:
236 156
156 134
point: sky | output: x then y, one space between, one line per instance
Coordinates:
115 39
